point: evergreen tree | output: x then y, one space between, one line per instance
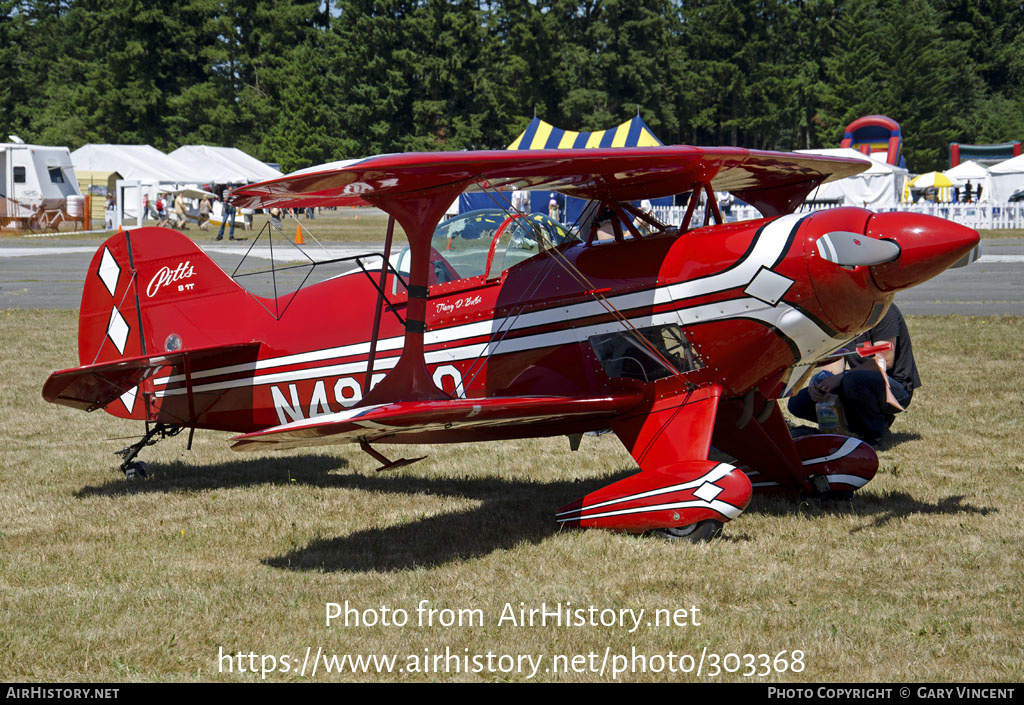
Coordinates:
15 70
854 70
921 75
375 63
306 81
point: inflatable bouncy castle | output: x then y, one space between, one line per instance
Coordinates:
876 133
984 154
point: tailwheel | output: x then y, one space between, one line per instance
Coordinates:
133 468
694 533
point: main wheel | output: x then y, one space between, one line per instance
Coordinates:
135 469
694 533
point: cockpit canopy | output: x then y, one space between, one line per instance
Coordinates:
485 243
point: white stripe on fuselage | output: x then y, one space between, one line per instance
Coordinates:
810 340
767 250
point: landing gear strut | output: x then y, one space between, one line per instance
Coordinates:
133 468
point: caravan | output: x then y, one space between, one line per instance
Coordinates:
38 188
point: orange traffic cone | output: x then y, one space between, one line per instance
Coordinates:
298 235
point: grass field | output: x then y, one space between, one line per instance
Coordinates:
919 578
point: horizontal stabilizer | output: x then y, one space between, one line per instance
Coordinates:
386 421
95 386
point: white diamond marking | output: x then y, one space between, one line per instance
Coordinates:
117 330
128 399
768 286
109 271
708 491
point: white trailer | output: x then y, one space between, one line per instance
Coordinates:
38 188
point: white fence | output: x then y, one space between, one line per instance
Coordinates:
979 216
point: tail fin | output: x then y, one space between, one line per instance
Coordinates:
152 291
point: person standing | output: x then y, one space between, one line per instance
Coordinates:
204 213
180 211
521 201
109 212
275 217
227 213
161 211
725 202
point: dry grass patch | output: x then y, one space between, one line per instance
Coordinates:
918 578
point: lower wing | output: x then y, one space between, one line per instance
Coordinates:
444 421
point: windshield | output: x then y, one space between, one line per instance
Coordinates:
486 243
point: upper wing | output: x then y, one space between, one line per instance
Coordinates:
441 421
777 180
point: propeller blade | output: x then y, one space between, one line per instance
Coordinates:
970 258
855 250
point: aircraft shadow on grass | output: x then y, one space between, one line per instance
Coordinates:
509 512
895 505
901 437
883 507
188 477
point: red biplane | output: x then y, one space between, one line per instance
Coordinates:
498 325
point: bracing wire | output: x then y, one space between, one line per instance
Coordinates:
573 271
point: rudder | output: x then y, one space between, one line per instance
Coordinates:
136 293
152 291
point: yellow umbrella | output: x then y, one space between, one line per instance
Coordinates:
932 178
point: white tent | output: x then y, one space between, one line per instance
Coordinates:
227 164
972 172
878 187
138 162
1007 178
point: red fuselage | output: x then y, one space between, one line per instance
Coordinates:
754 304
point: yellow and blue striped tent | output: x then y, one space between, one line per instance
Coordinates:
542 135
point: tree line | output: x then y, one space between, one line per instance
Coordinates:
301 83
